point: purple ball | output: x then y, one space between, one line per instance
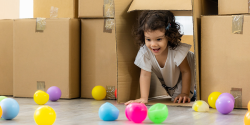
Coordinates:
227 94
54 93
224 104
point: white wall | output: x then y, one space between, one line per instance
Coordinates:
186 23
26 9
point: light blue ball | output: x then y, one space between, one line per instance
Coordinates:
10 108
108 112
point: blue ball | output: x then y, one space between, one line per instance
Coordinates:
10 108
108 112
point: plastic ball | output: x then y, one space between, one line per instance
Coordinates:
116 93
1 111
10 108
54 93
108 112
136 112
98 92
229 95
248 106
41 97
247 118
44 115
158 113
2 98
200 106
212 99
224 105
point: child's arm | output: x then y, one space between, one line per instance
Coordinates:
186 82
145 78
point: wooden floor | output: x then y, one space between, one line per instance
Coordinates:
85 112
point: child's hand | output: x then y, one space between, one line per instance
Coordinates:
182 97
141 100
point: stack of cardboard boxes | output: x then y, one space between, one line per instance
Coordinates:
9 10
98 46
47 49
225 51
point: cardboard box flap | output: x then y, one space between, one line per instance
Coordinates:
173 5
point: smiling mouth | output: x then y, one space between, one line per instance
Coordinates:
156 50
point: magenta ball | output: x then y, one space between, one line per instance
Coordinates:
224 104
136 112
54 93
227 94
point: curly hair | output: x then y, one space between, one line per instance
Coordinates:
151 20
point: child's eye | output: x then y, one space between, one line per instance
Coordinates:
148 39
158 39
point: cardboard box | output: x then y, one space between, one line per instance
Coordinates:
224 58
233 6
98 56
9 9
6 57
47 58
96 9
66 8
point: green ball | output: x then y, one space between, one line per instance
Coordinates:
158 113
2 98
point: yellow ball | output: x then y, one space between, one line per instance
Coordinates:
44 115
41 97
1 111
200 106
98 92
212 99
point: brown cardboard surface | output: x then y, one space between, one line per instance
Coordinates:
224 57
167 101
6 57
233 6
183 9
66 8
91 9
98 56
9 9
51 56
128 73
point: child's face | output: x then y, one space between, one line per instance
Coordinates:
156 41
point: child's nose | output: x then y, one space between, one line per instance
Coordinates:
154 43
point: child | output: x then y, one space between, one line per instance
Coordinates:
161 52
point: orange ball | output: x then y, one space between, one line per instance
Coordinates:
1 111
248 106
247 118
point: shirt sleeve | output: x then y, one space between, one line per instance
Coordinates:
142 60
181 52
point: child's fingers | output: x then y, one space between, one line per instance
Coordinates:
189 100
180 99
129 102
184 99
175 100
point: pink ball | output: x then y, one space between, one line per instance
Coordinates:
136 112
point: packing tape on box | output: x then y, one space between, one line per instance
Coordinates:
110 90
53 12
40 24
237 24
109 25
237 94
108 8
41 85
248 6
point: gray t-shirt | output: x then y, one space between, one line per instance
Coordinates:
169 75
